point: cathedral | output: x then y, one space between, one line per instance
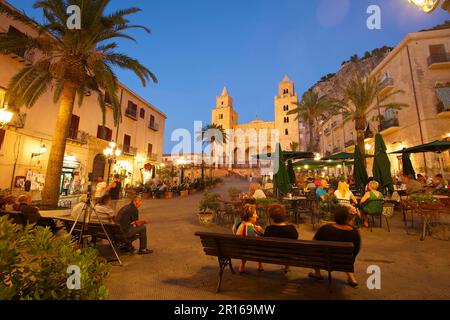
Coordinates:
247 140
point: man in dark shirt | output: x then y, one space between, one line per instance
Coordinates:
128 218
32 215
114 191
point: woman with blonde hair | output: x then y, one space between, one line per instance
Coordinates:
248 228
344 195
372 202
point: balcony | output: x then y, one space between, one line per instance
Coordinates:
334 125
387 83
327 153
153 126
152 156
129 150
346 116
18 120
350 143
442 110
336 150
131 113
389 126
78 137
24 56
439 61
327 131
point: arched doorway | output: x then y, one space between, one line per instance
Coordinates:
98 169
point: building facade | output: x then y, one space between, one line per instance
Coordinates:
420 67
26 142
247 140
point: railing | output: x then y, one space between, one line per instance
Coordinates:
440 107
24 55
327 131
153 126
129 150
389 123
152 156
336 150
18 120
334 124
132 113
78 136
438 58
350 143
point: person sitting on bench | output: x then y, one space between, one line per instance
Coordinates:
128 218
341 231
279 228
32 215
104 210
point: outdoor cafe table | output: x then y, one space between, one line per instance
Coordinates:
296 202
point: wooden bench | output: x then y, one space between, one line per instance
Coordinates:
16 217
328 256
95 230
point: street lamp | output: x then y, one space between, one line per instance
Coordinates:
111 154
42 150
5 116
429 6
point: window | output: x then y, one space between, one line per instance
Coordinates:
221 117
74 124
2 137
286 107
107 98
104 133
126 143
150 151
142 113
437 49
152 121
14 31
286 119
286 132
285 91
131 110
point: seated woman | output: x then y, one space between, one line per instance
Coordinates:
371 202
279 228
344 195
341 231
248 228
322 190
104 210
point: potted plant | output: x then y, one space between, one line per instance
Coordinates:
209 205
184 190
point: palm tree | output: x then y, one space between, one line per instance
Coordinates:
312 109
363 95
208 136
71 63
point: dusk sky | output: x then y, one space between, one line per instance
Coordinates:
197 47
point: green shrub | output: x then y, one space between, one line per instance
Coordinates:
234 193
33 266
210 201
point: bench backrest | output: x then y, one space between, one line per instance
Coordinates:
16 217
330 256
95 229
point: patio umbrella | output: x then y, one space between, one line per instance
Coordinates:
319 164
360 173
154 172
408 169
181 174
291 173
281 177
382 165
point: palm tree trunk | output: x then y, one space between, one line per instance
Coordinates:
311 136
317 142
360 135
50 193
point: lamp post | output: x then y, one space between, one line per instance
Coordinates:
429 6
5 116
111 153
181 162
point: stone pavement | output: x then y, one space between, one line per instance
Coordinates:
178 269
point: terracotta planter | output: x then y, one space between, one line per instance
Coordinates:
205 217
168 195
184 193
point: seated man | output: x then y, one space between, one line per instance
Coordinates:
412 185
322 190
32 215
439 182
104 210
128 218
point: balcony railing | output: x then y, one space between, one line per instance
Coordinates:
24 55
334 124
350 143
336 150
442 108
438 58
78 136
132 113
18 120
129 150
389 123
327 131
152 156
153 126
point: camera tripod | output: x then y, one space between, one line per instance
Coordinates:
86 213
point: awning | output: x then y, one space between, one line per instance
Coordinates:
444 96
